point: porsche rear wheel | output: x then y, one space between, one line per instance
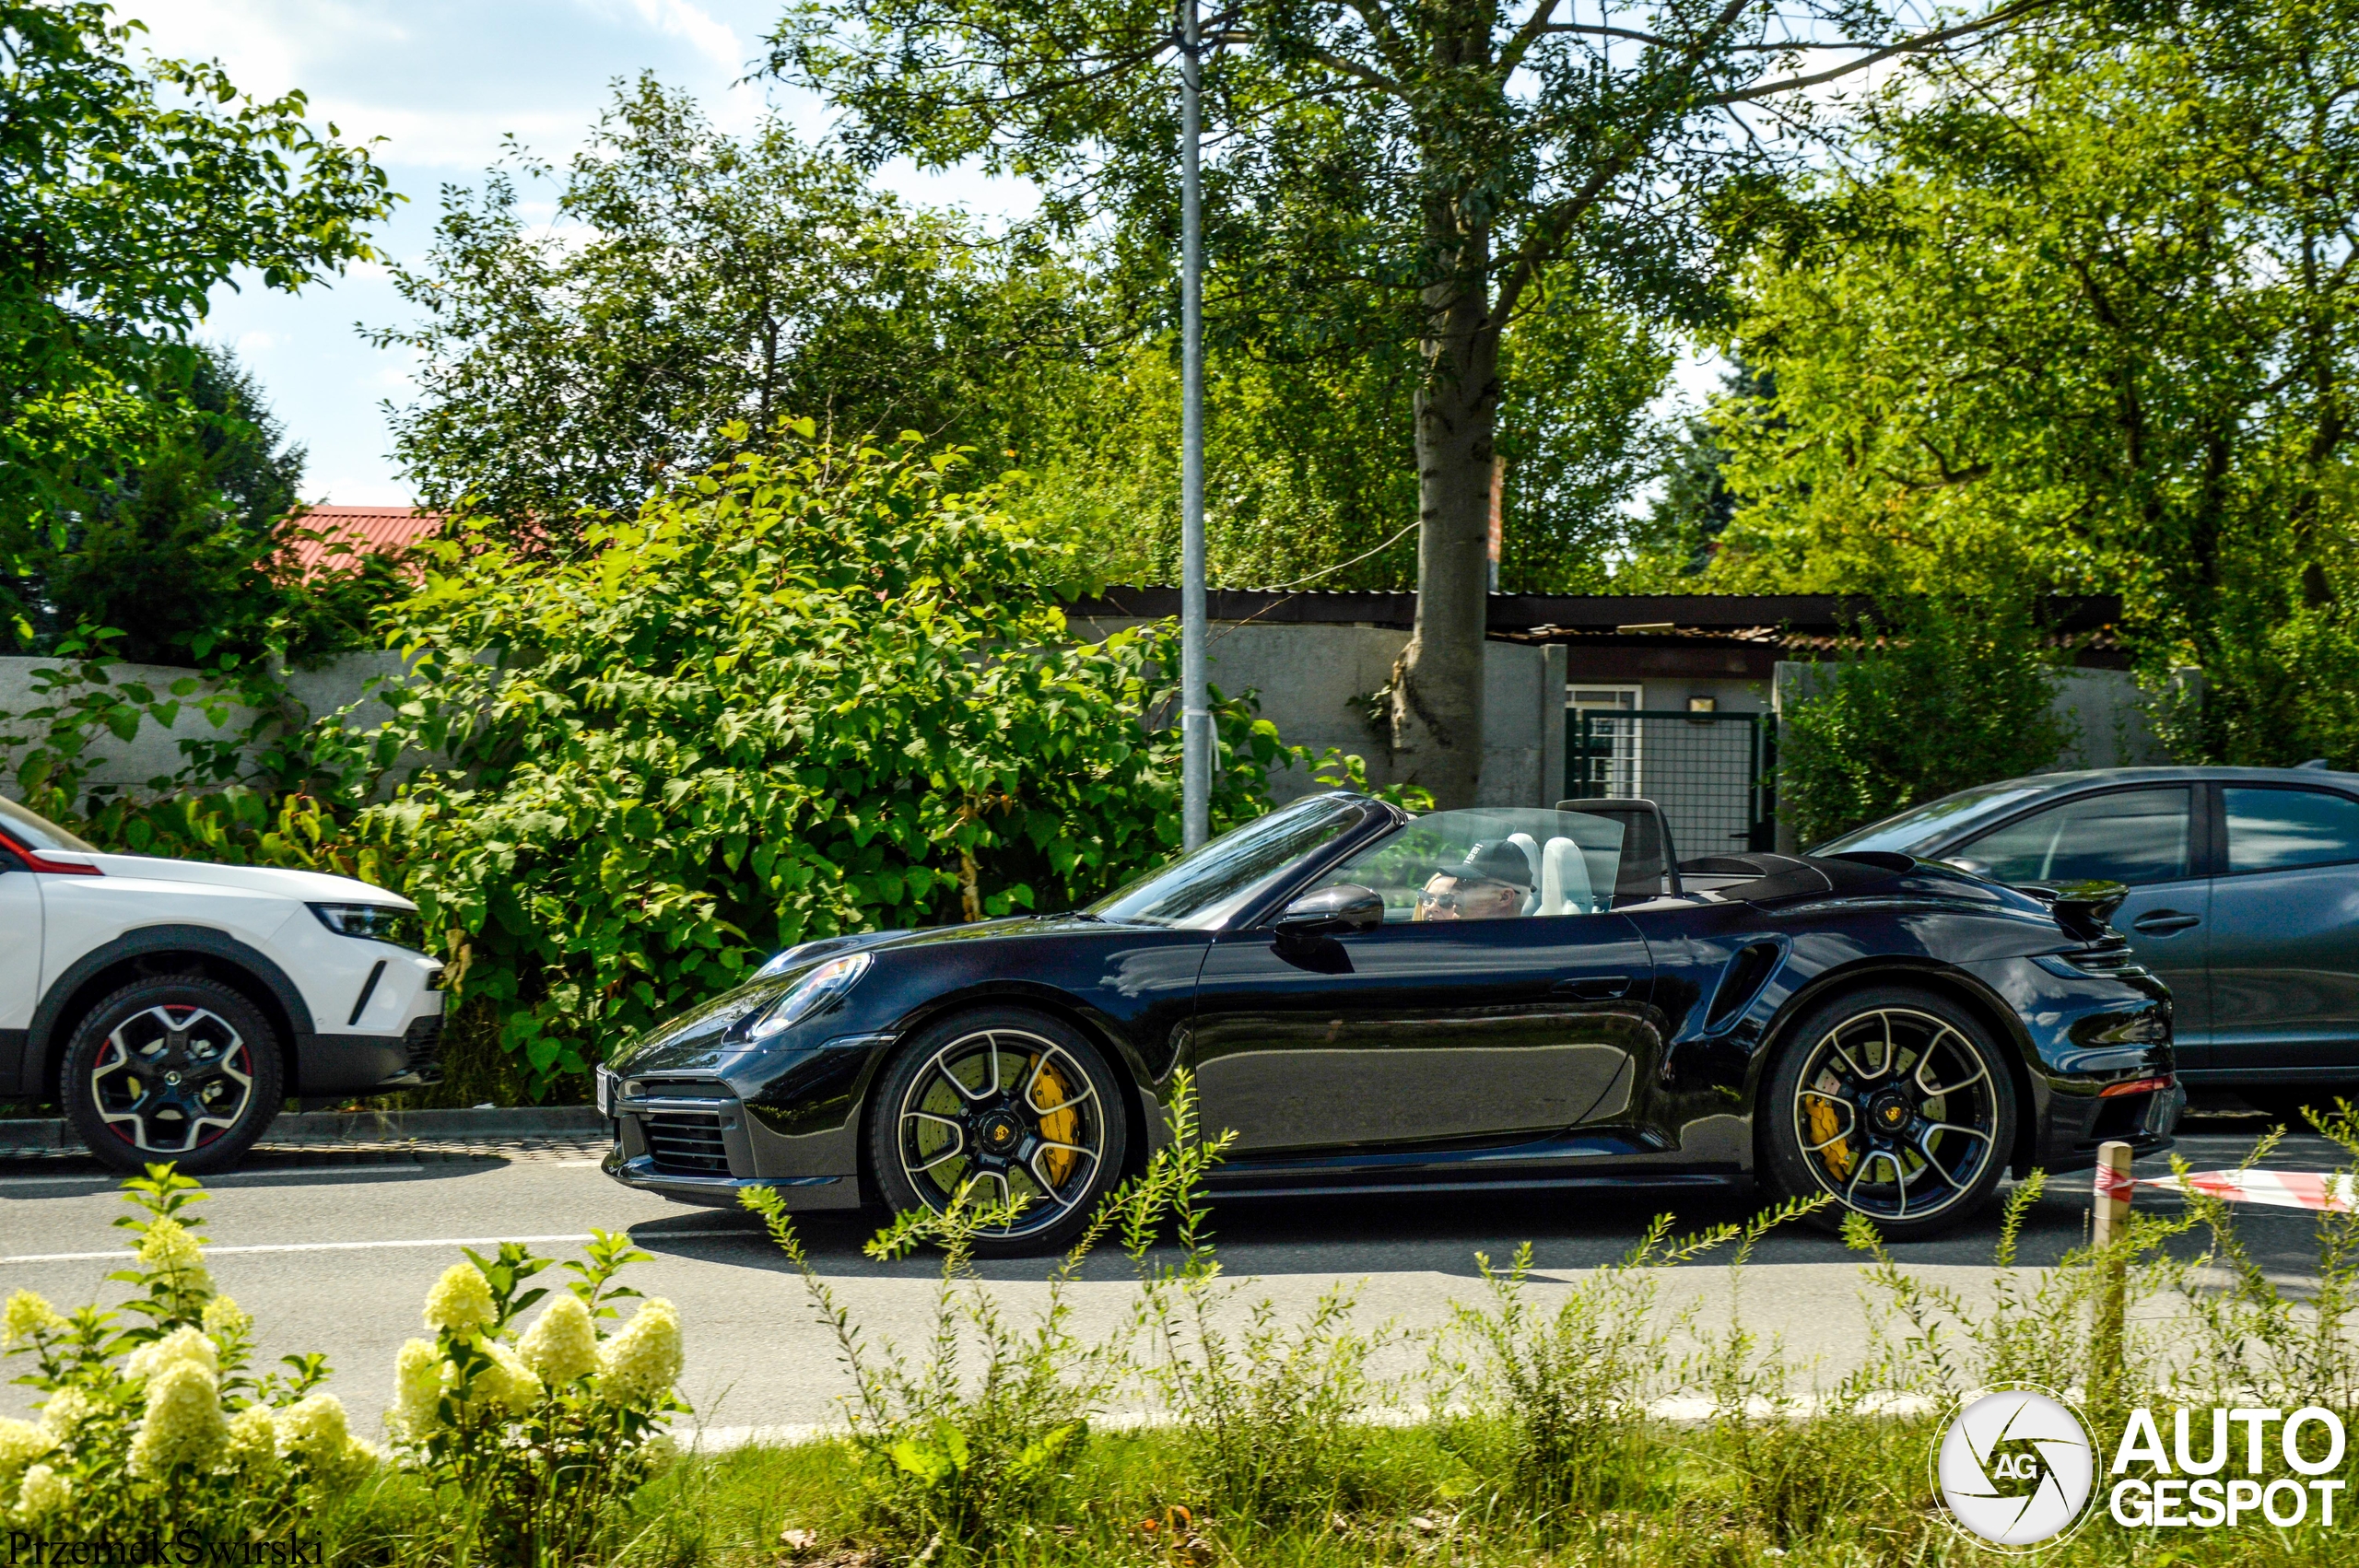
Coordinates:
1895 1102
1005 1110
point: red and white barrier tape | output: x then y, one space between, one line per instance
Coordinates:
2278 1190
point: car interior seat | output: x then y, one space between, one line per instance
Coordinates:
1530 847
1565 886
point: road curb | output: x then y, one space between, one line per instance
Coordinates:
345 1127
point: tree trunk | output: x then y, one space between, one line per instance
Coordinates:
1437 682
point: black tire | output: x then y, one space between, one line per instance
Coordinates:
963 1100
176 1070
1854 1071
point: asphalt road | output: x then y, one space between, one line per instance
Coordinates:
337 1257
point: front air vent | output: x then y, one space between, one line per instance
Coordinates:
1739 983
686 1141
422 1047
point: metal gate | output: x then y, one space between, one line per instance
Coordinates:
1713 774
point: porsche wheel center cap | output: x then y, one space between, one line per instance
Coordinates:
998 1132
1889 1112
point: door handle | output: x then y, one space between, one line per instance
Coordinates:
2161 922
1594 987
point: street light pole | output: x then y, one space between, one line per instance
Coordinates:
1195 712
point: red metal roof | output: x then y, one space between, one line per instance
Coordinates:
367 531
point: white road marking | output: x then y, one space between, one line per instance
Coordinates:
230 1178
573 1238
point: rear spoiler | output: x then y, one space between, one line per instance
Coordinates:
2081 908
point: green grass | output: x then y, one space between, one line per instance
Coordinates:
1832 1491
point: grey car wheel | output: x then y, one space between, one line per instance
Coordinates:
175 1070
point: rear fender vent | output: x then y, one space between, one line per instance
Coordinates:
1740 982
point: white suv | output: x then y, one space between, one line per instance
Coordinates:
173 1007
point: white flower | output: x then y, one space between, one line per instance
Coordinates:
639 1365
67 1408
183 1424
183 1344
507 1383
253 1440
224 1319
44 1492
313 1428
171 1248
461 1301
563 1345
26 1317
21 1443
418 1391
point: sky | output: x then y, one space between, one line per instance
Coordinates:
442 81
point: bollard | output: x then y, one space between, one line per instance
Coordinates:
2111 1215
2110 1227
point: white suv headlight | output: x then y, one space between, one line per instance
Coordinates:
816 990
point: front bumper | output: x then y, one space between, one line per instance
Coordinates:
691 1140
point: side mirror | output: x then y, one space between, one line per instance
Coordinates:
1346 906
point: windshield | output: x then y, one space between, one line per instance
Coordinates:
1202 889
1921 824
37 831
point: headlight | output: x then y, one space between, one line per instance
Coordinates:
403 928
808 995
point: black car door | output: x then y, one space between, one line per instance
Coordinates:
1426 1031
2284 952
2146 838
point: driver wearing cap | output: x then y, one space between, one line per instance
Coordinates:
1491 884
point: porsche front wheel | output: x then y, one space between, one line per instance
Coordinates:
1011 1113
1895 1103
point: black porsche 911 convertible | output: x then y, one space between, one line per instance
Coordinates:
1462 1001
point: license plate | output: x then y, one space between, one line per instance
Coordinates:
2161 1111
604 1092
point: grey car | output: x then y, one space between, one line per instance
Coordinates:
2244 898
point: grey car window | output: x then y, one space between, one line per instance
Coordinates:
1921 824
2129 836
2272 829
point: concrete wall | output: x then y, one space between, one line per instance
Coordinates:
1308 677
2109 716
155 752
1314 682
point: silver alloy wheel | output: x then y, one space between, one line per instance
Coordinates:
172 1079
1897 1114
1008 1116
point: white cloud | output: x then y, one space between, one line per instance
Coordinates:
680 18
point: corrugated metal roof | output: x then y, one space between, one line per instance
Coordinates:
362 530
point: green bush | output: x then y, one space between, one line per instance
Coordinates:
819 690
1943 694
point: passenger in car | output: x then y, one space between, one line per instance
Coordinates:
1494 882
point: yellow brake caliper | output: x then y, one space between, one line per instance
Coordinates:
1059 1122
1824 1125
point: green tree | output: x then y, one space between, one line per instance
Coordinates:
2092 313
1933 695
1422 174
703 283
128 193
